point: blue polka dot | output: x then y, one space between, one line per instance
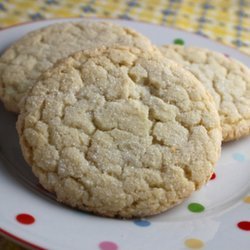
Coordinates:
239 157
142 223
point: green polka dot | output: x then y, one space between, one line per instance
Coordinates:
196 207
179 41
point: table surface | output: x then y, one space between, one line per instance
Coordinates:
227 21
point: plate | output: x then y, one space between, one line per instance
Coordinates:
216 217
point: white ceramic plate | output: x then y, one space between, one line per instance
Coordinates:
30 215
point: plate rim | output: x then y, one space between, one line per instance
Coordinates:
18 240
127 20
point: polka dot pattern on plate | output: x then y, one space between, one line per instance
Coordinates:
142 223
25 219
108 245
239 157
194 243
244 225
213 176
247 199
196 207
179 41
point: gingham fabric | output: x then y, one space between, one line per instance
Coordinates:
227 21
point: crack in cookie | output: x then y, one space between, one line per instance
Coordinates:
130 133
25 60
226 79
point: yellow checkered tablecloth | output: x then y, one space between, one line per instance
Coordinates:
227 21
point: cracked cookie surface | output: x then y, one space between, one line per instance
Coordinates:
120 132
24 61
226 79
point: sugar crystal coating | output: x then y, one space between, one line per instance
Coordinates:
120 132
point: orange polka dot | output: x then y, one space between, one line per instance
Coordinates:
247 199
194 243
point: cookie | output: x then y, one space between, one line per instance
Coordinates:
24 61
226 79
120 132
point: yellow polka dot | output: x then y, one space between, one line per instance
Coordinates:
247 199
194 243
